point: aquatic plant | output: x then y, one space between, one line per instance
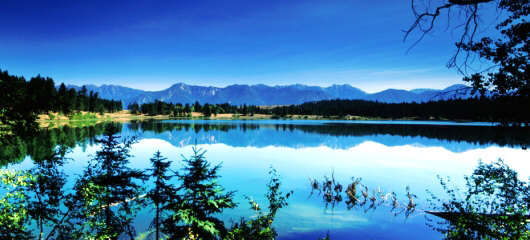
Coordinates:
260 227
331 191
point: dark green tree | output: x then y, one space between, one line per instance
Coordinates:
47 193
62 101
197 106
134 108
207 110
42 93
109 191
194 214
187 109
162 192
17 109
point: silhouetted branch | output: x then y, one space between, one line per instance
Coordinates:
425 21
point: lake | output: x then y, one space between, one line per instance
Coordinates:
387 155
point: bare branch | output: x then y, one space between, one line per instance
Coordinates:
426 20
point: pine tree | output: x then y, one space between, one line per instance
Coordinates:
109 190
200 200
162 192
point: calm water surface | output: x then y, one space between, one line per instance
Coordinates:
387 155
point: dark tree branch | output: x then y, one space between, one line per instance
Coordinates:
426 20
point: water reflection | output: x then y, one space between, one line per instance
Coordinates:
386 157
333 134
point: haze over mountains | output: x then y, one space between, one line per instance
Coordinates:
272 95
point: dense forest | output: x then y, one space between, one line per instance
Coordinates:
185 110
40 95
500 109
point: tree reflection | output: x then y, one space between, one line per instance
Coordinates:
43 143
502 136
46 192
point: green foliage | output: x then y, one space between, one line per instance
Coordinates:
79 116
22 101
179 110
12 151
14 217
109 192
134 108
161 194
479 109
17 109
502 109
198 200
260 227
47 193
494 205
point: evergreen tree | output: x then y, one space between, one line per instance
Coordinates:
162 192
134 108
17 110
207 110
62 98
109 191
44 204
200 200
197 106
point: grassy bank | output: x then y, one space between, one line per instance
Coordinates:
87 118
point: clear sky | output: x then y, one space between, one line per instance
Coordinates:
154 44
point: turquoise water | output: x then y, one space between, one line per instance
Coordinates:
387 155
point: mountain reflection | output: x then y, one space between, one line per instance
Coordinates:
456 138
292 134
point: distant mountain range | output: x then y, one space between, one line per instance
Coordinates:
272 95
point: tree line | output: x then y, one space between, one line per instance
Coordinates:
184 110
40 95
503 109
506 109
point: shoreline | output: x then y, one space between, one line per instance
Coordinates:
86 118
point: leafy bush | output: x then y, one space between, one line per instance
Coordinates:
494 205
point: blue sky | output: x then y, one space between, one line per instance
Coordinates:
154 44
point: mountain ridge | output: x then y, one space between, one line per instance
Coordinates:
260 94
